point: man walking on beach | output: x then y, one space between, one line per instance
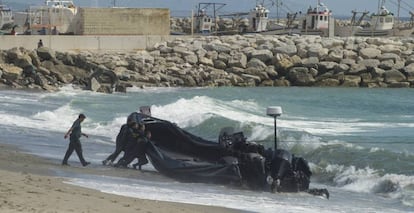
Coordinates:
75 133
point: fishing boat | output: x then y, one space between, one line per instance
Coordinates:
258 19
6 17
203 22
55 16
316 20
381 23
254 21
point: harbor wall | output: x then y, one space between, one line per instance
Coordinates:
122 21
98 43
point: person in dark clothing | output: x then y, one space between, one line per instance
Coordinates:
140 150
40 43
75 133
120 142
134 147
13 31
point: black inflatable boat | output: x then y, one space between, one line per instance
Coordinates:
179 154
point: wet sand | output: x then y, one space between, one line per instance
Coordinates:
27 184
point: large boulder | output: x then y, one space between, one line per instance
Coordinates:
238 60
13 54
369 63
281 83
183 51
286 49
219 64
10 72
331 43
386 65
256 64
335 55
311 62
389 56
327 82
300 76
282 62
316 50
103 81
191 59
369 53
23 61
409 71
206 61
351 81
326 66
45 53
394 76
217 47
263 55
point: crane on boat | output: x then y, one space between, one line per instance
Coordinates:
403 5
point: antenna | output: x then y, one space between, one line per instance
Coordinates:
274 111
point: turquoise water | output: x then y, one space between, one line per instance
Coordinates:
359 142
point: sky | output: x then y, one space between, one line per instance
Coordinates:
339 7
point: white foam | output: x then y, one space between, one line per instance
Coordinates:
45 120
157 90
368 180
204 194
109 129
245 200
192 112
60 120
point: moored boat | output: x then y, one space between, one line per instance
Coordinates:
6 17
316 21
381 23
54 17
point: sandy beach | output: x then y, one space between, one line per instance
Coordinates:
27 184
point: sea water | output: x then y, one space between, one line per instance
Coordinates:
359 142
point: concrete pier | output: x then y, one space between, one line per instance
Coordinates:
94 43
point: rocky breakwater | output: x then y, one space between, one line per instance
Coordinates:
249 60
257 60
44 69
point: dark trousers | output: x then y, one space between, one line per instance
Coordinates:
76 146
118 149
137 151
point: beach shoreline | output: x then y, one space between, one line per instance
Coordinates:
29 185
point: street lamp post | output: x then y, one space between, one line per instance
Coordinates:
274 111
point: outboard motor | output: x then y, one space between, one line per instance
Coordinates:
280 168
249 155
281 163
225 138
289 173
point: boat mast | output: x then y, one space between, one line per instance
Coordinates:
398 11
317 6
277 10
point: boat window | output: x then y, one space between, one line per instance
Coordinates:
257 14
382 20
265 14
389 19
321 18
